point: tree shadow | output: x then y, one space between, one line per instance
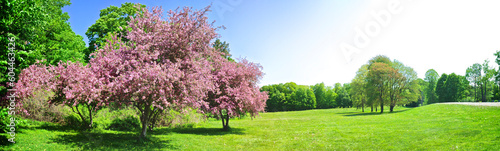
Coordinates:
4 140
56 127
371 113
200 131
112 141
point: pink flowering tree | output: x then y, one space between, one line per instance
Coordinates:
73 85
35 77
236 90
163 65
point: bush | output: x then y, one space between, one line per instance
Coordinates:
40 110
130 123
187 118
73 122
105 117
5 121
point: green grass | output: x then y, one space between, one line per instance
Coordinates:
432 127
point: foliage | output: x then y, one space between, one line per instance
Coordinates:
4 120
378 78
73 84
112 20
223 47
405 87
188 118
129 123
343 99
325 96
41 110
358 92
40 31
431 77
293 97
236 90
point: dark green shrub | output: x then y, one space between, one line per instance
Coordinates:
129 123
73 122
4 120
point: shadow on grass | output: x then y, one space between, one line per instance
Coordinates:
4 140
371 113
112 141
56 127
200 131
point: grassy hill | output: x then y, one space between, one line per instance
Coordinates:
432 127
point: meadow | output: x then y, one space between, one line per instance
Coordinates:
431 127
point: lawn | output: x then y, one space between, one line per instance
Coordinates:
432 127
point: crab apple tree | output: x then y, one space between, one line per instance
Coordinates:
73 85
236 90
163 65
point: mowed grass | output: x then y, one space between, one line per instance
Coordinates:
432 127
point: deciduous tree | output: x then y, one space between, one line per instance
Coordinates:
236 91
431 77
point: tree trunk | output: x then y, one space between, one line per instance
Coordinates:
372 108
391 108
145 121
154 119
90 116
79 113
382 107
222 118
363 105
227 122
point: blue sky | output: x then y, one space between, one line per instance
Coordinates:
302 41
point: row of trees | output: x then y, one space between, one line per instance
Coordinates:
480 84
154 65
293 97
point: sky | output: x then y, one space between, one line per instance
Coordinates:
309 42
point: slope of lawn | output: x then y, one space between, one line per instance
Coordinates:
432 127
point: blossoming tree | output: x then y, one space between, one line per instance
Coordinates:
73 85
236 90
163 65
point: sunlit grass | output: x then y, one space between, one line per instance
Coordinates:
432 127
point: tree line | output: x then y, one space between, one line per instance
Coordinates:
381 82
481 83
293 97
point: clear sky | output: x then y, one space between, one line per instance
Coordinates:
308 42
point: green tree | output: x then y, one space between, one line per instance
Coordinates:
473 74
378 78
222 47
320 94
40 31
403 84
358 92
303 98
330 97
431 77
441 90
111 20
486 82
291 97
463 89
452 86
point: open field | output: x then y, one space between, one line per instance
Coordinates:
432 127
